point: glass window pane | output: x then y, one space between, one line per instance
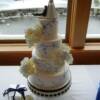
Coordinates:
94 20
17 15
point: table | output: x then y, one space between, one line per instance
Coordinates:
85 81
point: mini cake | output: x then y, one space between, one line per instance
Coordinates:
47 71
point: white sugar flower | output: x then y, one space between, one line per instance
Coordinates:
29 36
68 57
27 67
33 35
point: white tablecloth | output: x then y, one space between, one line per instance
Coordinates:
85 81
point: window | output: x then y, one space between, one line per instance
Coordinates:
17 15
84 52
94 20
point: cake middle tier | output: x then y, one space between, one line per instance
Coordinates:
51 51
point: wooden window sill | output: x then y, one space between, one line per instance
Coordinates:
12 54
14 47
90 54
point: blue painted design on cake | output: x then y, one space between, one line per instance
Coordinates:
48 26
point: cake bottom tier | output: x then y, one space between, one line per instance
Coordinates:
51 92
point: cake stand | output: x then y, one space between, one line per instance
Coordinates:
50 93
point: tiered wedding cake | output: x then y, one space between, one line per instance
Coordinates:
47 71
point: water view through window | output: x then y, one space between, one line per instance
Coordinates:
18 15
19 25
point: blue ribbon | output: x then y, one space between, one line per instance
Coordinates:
18 89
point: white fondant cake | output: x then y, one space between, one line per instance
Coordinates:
48 68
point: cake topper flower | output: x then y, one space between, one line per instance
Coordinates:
34 35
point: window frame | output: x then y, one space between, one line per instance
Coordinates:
85 51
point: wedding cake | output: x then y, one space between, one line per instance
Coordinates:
47 71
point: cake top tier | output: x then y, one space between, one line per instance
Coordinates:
47 28
51 11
